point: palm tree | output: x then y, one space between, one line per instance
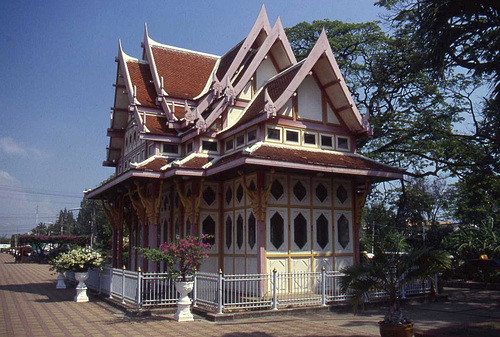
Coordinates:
391 268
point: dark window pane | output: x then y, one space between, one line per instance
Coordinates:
277 189
229 145
209 229
239 231
229 195
252 135
322 231
299 191
300 230
229 232
251 231
326 141
342 193
209 146
343 231
343 143
274 134
209 195
309 138
240 140
292 136
277 230
239 193
170 148
321 192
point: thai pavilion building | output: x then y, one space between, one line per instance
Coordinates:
252 147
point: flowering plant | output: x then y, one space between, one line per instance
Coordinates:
183 257
78 260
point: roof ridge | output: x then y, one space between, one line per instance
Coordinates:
182 50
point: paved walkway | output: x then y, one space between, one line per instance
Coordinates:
30 305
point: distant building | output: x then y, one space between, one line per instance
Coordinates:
253 147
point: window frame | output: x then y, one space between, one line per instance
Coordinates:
332 147
274 128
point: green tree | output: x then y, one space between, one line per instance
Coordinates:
40 229
64 224
92 218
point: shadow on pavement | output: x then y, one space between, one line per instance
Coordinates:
44 289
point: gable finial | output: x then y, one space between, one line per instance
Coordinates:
269 107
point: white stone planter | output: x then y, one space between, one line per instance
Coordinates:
60 281
81 288
183 313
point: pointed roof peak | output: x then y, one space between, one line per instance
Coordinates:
278 21
262 10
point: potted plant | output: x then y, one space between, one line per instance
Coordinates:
389 270
182 258
78 260
57 267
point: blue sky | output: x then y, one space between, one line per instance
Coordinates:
56 75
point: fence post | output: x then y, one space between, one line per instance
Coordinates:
219 293
323 286
123 283
111 282
139 288
275 287
100 280
195 291
403 291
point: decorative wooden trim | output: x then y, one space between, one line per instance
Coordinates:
139 209
360 201
112 214
258 200
192 204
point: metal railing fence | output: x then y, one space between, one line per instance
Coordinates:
221 293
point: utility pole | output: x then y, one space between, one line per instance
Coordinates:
36 217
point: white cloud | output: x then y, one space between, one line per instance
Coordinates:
7 179
10 146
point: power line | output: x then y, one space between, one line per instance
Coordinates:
40 192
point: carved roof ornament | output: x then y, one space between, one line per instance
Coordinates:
269 107
366 123
217 87
230 93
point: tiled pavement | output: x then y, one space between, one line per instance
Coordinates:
30 305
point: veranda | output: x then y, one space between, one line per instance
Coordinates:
219 293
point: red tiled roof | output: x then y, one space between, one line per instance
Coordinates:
158 125
324 158
140 75
196 162
155 165
185 74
